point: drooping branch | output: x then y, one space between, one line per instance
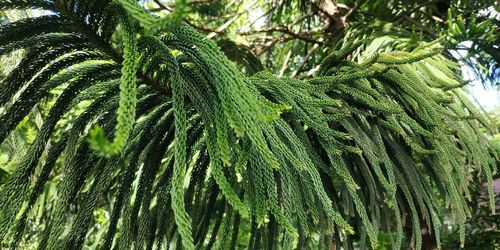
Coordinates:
305 36
108 49
274 153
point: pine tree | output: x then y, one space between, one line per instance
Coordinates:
200 152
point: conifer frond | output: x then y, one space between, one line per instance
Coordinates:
201 151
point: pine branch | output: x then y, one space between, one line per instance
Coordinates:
346 154
106 47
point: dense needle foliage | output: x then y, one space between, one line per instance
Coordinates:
194 152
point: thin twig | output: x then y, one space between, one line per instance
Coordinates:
306 59
420 26
285 63
285 30
162 6
224 26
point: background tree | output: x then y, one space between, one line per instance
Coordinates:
291 37
363 145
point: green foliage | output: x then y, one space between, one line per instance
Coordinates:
202 153
482 227
291 37
482 54
128 97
